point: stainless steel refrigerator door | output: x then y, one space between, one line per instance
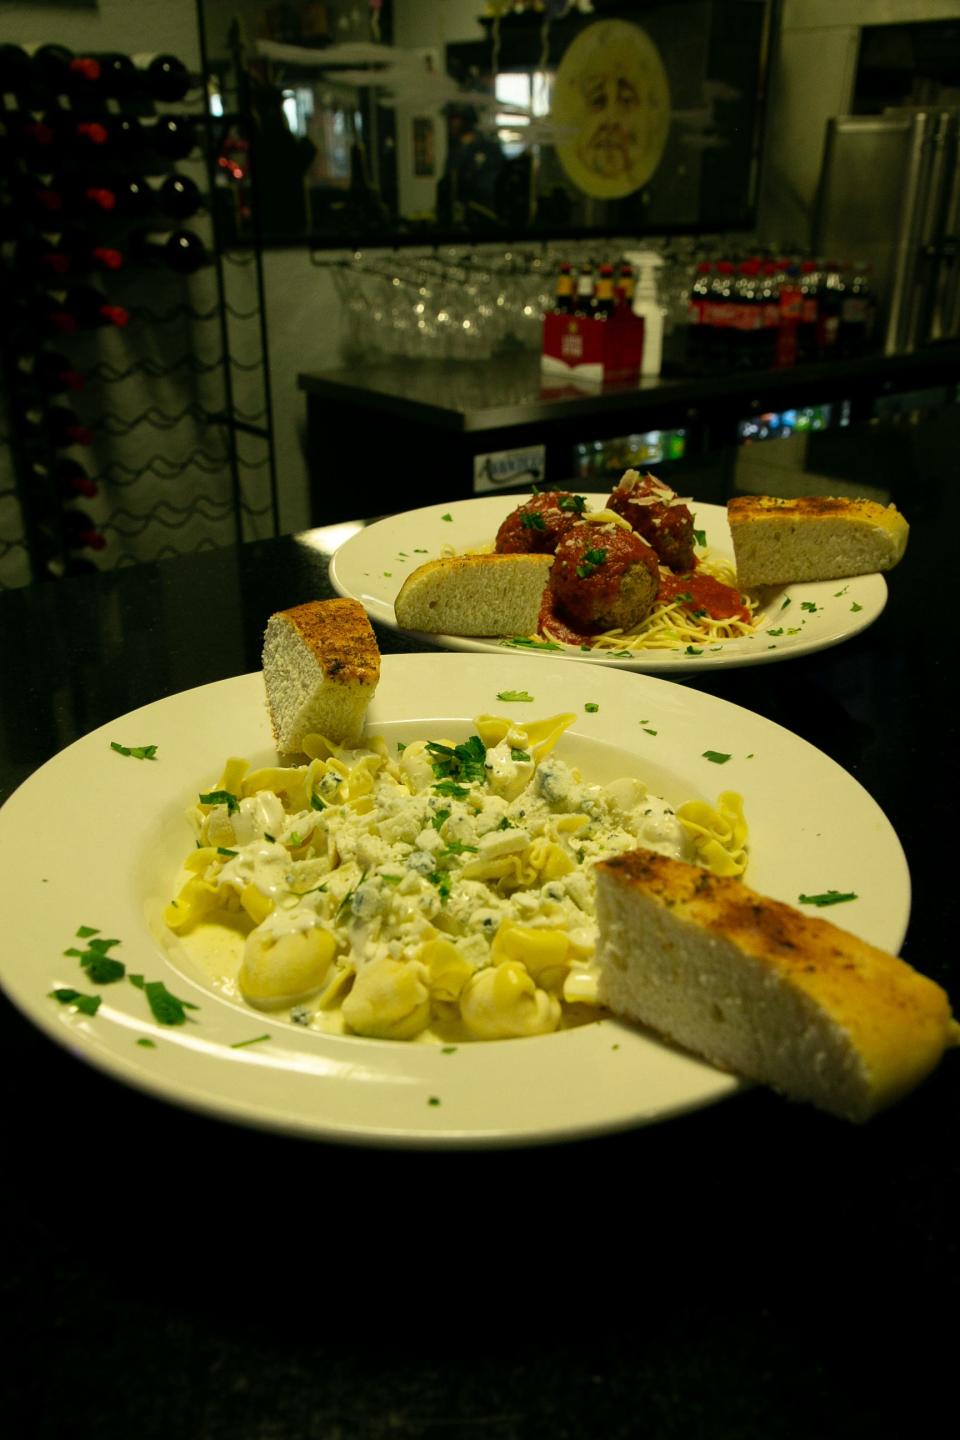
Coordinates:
870 205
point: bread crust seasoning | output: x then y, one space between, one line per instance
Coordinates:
816 537
763 989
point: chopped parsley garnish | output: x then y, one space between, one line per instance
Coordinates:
692 650
591 707
648 731
147 1043
523 642
167 1009
592 560
221 797
778 631
457 847
315 802
463 762
786 602
700 537
95 960
576 503
506 823
438 819
809 605
443 881
451 789
717 756
85 931
434 1100
222 850
519 755
86 1004
855 607
139 752
448 1050
532 520
254 1040
514 695
829 897
448 516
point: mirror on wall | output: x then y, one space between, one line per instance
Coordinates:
382 122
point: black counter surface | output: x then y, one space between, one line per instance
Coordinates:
756 1269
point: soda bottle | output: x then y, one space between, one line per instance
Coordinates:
829 302
809 312
790 315
695 356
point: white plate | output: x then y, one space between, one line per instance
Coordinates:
373 564
96 838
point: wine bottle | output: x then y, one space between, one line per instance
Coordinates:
67 476
16 71
79 307
71 252
80 531
48 201
178 250
49 371
57 425
173 136
176 196
118 79
163 77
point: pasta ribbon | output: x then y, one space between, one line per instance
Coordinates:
538 738
719 833
196 899
257 905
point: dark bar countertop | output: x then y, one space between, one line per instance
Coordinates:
512 391
756 1269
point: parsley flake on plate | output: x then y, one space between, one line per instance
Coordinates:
167 1009
254 1040
524 642
591 707
514 695
86 1004
828 897
139 752
717 756
532 520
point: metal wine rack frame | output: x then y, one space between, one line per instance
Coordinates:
165 499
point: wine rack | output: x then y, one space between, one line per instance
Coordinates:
137 416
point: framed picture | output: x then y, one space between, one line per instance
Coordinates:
401 123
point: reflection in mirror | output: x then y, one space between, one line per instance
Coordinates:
376 122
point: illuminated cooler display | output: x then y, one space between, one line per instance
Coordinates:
599 460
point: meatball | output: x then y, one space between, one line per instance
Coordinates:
654 511
538 524
604 577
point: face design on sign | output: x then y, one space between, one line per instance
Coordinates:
612 101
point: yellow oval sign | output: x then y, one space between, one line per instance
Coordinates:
611 109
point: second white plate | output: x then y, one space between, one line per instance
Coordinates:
373 564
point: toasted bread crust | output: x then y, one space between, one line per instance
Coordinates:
744 508
340 636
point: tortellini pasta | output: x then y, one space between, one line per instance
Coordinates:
439 890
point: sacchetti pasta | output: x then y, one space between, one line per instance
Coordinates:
440 891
